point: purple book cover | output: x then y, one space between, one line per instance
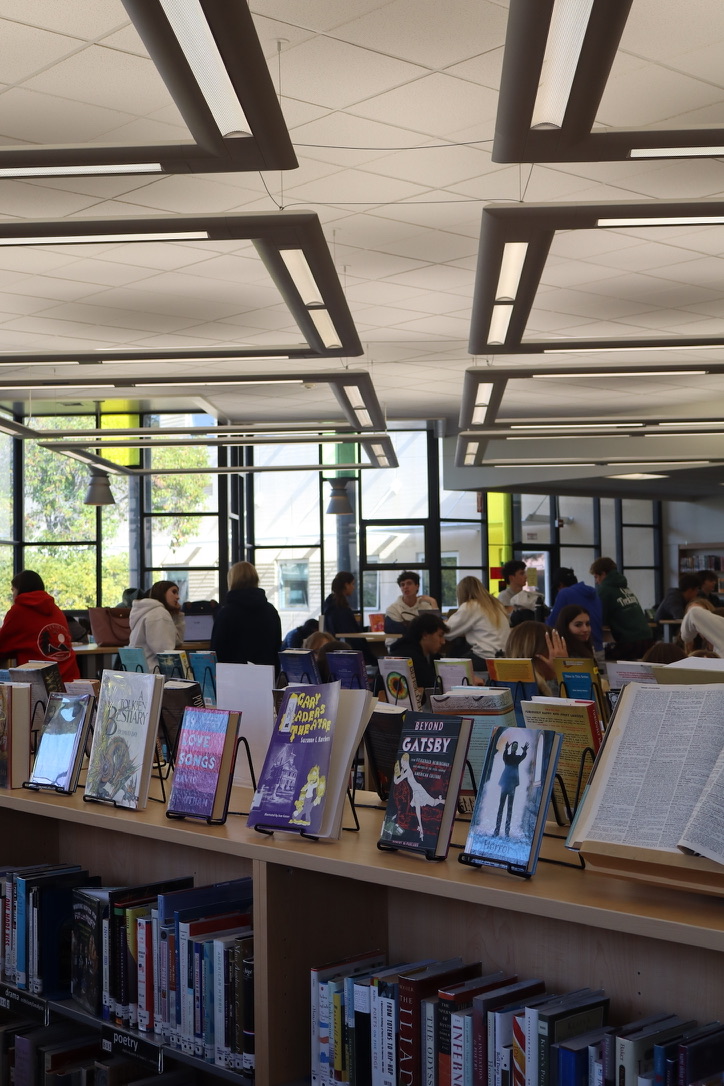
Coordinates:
198 761
349 668
292 784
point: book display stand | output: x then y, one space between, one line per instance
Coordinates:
269 831
426 853
36 787
208 820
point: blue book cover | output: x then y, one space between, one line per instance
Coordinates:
203 668
293 781
21 921
173 664
348 668
133 659
299 666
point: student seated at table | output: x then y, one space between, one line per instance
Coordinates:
157 622
408 605
574 626
339 618
247 628
534 641
35 628
422 643
480 626
675 601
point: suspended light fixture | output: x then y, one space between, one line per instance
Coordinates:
99 489
339 503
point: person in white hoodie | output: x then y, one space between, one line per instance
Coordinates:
700 620
157 622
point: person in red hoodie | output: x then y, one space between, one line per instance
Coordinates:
35 628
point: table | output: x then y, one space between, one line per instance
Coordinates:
86 654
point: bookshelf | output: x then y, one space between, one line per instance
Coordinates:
694 557
651 947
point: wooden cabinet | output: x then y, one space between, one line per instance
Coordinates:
651 948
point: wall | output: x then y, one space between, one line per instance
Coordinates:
687 523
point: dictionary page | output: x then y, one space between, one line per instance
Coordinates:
704 833
654 765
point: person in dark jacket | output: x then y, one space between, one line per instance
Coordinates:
622 612
247 628
35 628
339 618
422 643
570 591
676 600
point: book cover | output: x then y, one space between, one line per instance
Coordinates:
62 743
578 1012
516 675
133 658
382 739
174 664
399 683
124 737
488 707
580 725
204 763
426 779
90 912
49 936
15 733
293 781
203 669
248 689
457 997
508 819
300 666
347 668
454 672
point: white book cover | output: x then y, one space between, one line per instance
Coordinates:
250 689
124 737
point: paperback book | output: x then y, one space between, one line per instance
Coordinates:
452 672
580 725
578 678
62 743
124 738
382 739
204 763
133 658
203 668
518 676
299 666
174 664
15 728
44 678
306 773
510 811
426 779
400 685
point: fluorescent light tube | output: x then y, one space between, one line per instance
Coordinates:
188 22
377 450
569 22
499 323
669 220
637 475
687 425
354 396
81 171
41 389
482 396
620 373
682 433
363 418
170 383
301 273
471 452
613 349
553 427
511 268
325 327
181 358
78 239
676 152
479 414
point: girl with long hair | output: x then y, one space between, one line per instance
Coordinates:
157 622
574 625
479 626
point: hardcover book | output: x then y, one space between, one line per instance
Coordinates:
44 678
124 738
248 689
306 773
204 763
15 728
347 668
509 816
488 707
579 678
382 738
426 779
518 676
62 743
580 725
400 685
299 666
647 726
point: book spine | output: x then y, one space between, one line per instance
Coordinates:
388 1039
20 937
339 1065
198 999
35 980
144 939
156 951
237 1024
457 1048
468 1050
106 981
429 1026
323 1033
531 1046
518 1053
444 1012
626 1069
221 991
408 1044
163 993
349 1031
248 1062
363 1034
208 989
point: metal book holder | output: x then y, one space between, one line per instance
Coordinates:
180 815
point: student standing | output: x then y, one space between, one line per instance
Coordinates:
247 628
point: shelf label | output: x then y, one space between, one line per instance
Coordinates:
12 999
115 1041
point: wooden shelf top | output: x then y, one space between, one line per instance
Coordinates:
562 893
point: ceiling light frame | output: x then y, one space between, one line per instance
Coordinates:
537 225
238 51
574 139
270 233
490 383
